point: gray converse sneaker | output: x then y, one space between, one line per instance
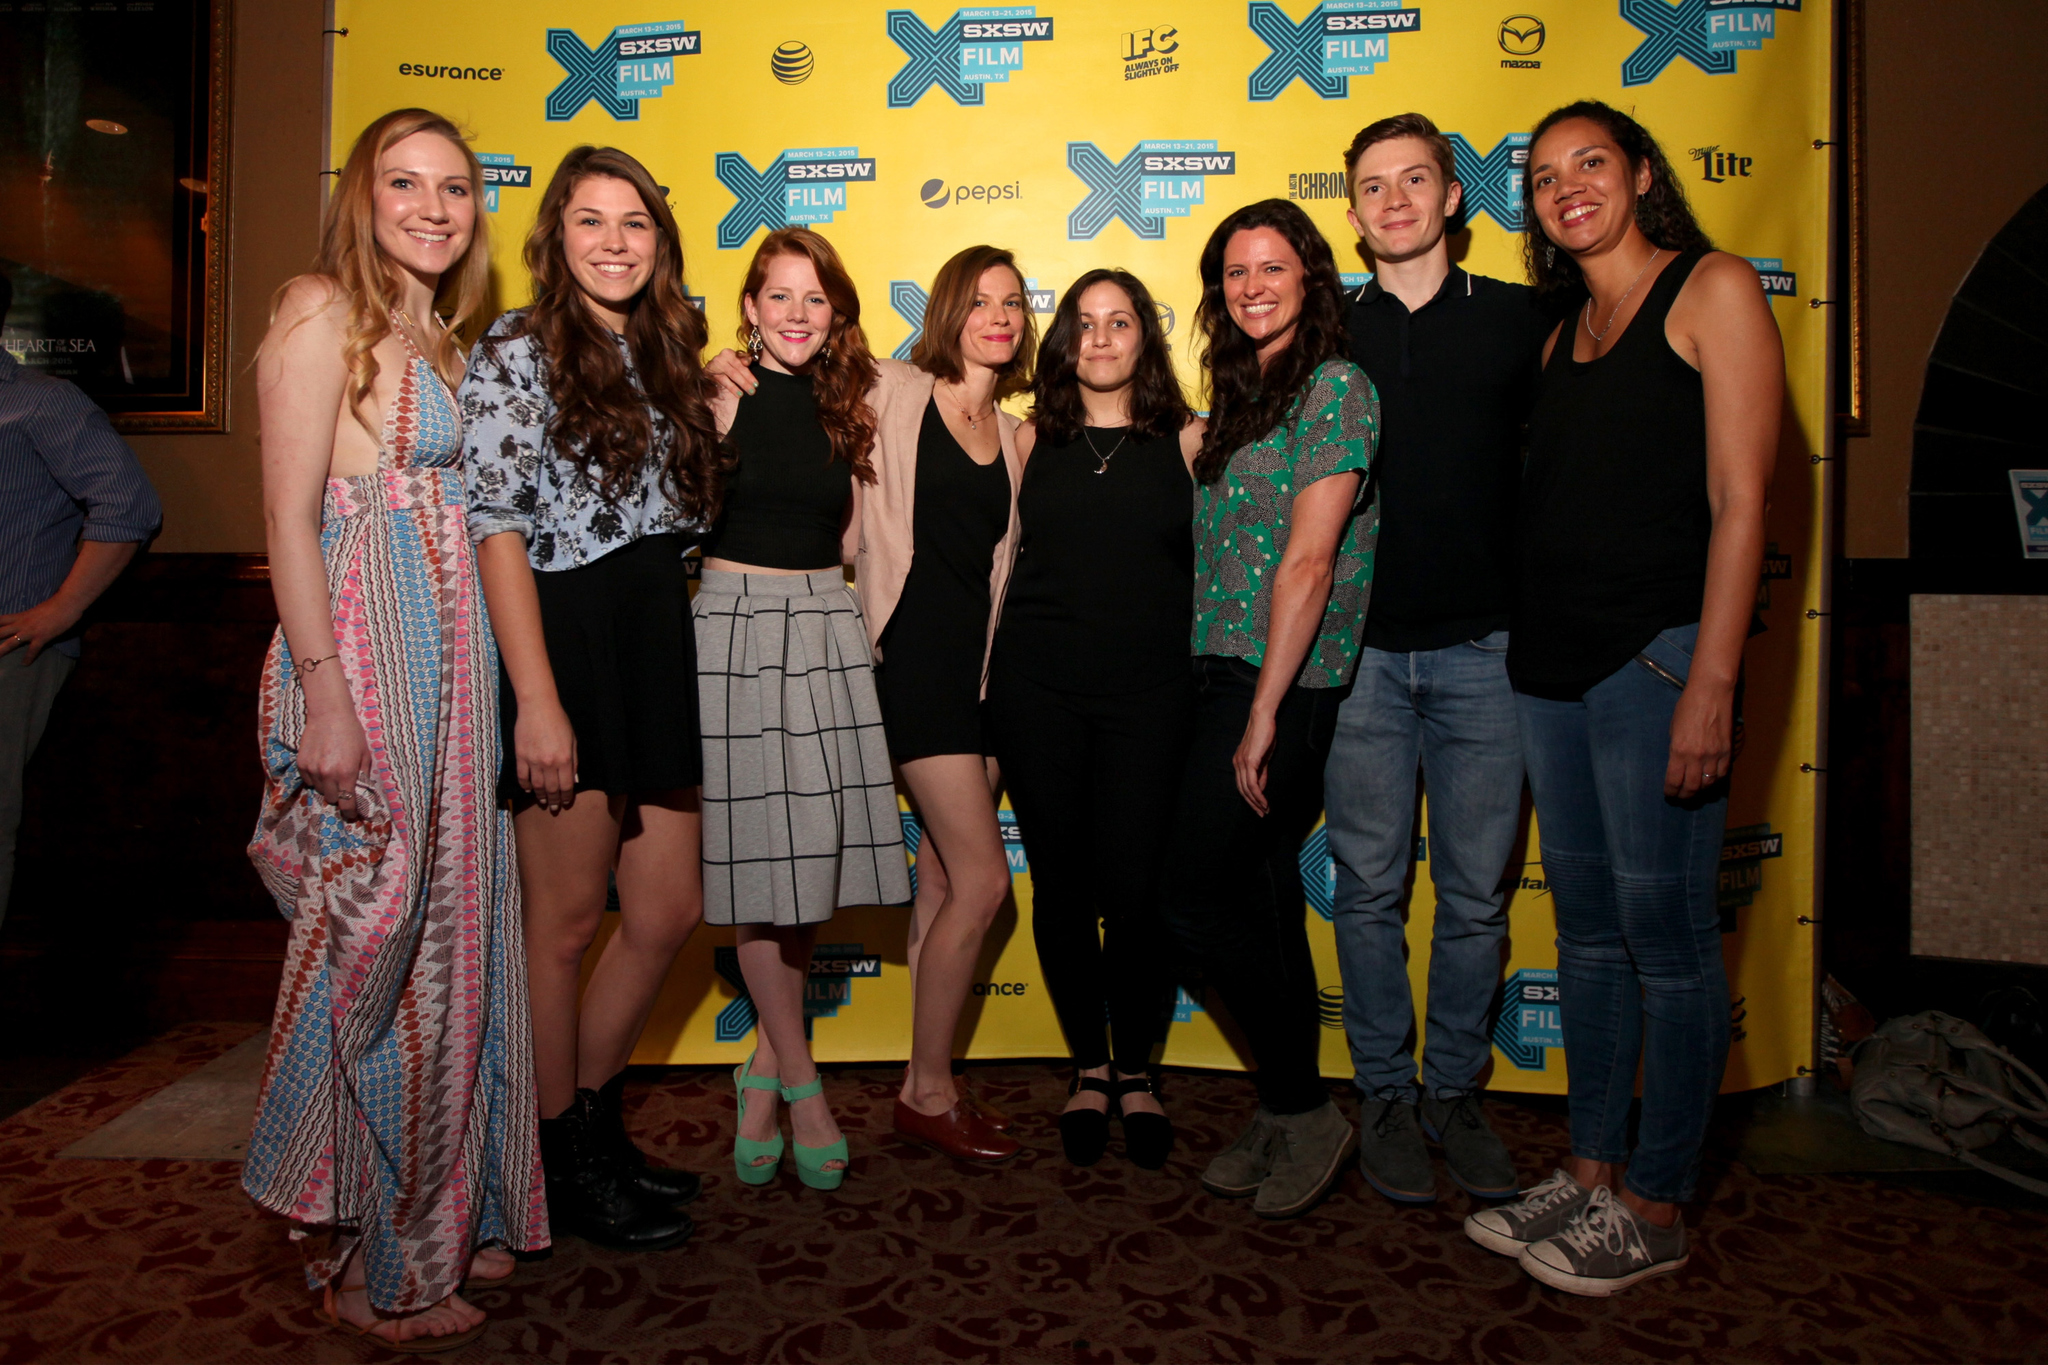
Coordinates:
1309 1152
1391 1156
1606 1249
1238 1169
1541 1212
1476 1158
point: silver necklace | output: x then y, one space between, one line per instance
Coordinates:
1102 460
1601 335
973 422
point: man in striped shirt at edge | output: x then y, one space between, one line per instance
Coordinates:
74 508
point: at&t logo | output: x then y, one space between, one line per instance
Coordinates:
1493 181
1149 52
1707 33
802 185
501 172
1338 40
1155 181
974 48
1717 166
634 62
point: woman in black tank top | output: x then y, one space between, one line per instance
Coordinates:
1641 541
1090 694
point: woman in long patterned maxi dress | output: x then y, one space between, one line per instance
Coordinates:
396 1125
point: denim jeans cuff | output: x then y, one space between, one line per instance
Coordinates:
1683 1196
1410 1093
1610 1158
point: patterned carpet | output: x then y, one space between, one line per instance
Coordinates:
918 1258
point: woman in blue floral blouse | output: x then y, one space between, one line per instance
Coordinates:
594 463
1284 535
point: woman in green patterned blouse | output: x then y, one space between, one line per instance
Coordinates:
1284 532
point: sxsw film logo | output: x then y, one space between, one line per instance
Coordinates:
973 49
1744 850
803 185
1717 167
834 969
1776 278
635 62
1338 40
1492 181
1530 1018
501 172
1150 52
1155 181
1707 33
909 300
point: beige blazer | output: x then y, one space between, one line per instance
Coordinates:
887 524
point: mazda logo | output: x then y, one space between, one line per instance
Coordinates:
1521 35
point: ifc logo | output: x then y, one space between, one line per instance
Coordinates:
792 63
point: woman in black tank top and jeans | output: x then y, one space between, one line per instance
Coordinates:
1641 536
1090 694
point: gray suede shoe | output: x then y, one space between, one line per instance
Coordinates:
1309 1152
1238 1170
1391 1155
1606 1249
1477 1159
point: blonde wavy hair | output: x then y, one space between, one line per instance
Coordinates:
352 262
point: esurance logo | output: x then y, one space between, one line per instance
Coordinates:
1338 40
1776 278
1492 180
1155 181
635 62
973 49
501 172
1707 33
803 185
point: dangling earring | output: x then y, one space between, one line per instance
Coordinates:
1549 258
825 354
754 344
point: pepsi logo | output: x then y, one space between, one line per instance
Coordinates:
935 194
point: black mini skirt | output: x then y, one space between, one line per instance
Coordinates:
624 653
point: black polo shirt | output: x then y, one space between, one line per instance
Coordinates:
1456 380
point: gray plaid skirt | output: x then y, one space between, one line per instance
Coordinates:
800 810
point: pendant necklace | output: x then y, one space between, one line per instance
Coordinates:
1601 335
973 422
1102 460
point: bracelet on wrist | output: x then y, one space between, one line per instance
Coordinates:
305 668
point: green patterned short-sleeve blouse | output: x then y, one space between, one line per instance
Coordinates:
1243 518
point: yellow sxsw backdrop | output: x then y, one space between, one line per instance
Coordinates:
1740 137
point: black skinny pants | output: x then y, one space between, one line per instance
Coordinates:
1092 782
1234 900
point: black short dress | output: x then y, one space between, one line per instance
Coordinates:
929 676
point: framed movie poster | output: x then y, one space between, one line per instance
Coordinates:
113 178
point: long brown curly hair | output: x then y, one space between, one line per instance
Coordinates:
601 419
1246 400
1662 211
844 369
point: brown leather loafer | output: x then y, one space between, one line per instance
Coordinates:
989 1114
959 1132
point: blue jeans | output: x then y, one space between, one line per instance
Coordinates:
1633 877
1453 712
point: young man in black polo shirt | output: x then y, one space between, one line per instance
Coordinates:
1454 357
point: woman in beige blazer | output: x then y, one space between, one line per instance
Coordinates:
938 532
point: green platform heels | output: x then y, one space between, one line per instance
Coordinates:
810 1161
747 1153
